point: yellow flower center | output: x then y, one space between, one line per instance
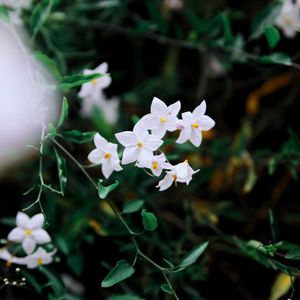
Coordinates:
107 155
155 165
163 120
195 125
140 145
288 21
27 232
174 177
40 261
94 82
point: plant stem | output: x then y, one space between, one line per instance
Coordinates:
170 285
120 218
42 184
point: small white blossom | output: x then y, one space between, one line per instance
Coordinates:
181 172
29 232
162 118
108 107
10 258
139 145
289 18
105 154
157 164
193 124
94 88
38 258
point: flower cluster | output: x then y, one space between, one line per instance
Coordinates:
29 233
142 144
288 19
94 97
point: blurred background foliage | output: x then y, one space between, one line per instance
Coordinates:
245 198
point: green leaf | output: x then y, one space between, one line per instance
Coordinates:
266 17
132 206
76 263
124 297
78 137
8 221
276 58
54 280
52 130
62 171
49 63
64 112
103 191
149 220
166 288
228 35
69 82
40 15
272 35
293 254
120 272
62 243
32 280
170 264
191 257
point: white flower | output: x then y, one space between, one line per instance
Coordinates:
29 231
94 88
193 124
181 172
289 18
162 118
38 258
9 258
157 164
108 107
139 145
105 154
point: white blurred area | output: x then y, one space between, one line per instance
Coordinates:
28 96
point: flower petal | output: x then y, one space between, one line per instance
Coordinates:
174 108
28 245
129 155
145 157
206 123
96 156
126 138
22 220
184 135
182 169
159 131
166 182
41 236
102 68
152 142
100 141
158 107
37 221
200 110
107 169
196 137
16 235
149 121
115 163
104 81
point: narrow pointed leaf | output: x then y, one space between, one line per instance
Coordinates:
120 272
